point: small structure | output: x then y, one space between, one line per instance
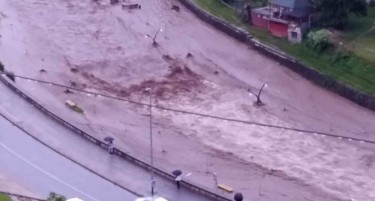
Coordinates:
225 188
284 18
72 105
260 17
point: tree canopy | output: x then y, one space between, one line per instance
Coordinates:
335 13
55 197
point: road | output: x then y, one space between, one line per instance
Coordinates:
29 159
43 171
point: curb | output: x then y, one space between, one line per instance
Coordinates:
358 97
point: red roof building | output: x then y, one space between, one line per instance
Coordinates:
283 18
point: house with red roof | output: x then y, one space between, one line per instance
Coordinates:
284 18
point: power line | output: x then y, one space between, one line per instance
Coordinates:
196 113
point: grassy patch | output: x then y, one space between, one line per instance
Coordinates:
358 25
4 198
220 10
360 36
358 72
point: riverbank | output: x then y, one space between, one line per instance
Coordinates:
358 72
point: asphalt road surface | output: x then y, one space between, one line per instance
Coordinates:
41 170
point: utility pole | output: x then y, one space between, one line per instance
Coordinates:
153 182
259 101
153 38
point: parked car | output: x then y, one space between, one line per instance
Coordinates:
74 199
151 199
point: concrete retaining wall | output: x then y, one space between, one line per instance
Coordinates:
236 33
343 90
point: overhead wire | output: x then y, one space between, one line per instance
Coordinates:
196 113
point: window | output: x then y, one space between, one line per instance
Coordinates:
294 35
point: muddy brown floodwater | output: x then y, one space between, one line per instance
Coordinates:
103 48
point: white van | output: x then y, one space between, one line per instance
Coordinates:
74 199
151 199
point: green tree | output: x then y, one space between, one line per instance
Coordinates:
335 13
55 197
358 7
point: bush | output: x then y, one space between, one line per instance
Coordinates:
341 57
4 197
372 3
55 197
319 41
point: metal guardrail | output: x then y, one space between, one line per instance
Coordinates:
158 171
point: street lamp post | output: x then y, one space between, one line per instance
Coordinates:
153 182
259 101
153 38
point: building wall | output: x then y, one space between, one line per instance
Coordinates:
295 35
279 29
259 20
